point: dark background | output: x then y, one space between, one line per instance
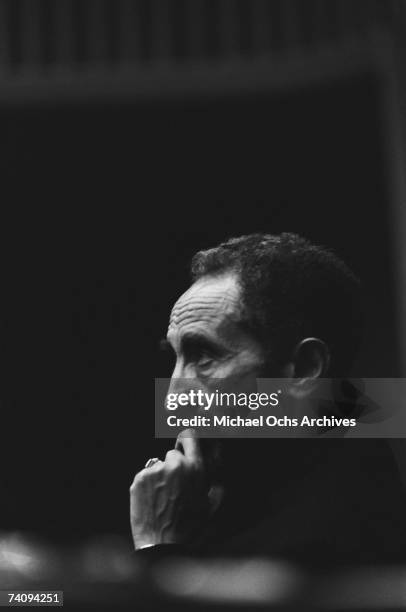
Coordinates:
103 207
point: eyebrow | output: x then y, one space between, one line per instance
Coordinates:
192 339
200 340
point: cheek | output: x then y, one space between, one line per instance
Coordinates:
239 375
242 364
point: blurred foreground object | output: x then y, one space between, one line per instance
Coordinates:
104 572
256 583
27 560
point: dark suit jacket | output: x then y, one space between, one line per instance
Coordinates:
348 506
314 501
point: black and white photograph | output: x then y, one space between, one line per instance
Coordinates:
203 304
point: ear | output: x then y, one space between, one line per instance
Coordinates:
310 362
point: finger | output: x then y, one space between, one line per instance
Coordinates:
188 442
173 457
143 474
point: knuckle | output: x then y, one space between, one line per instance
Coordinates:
175 467
174 458
171 454
139 478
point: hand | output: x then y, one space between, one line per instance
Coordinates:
169 501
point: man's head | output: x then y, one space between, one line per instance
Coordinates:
263 306
267 305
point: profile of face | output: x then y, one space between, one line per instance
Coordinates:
207 335
210 342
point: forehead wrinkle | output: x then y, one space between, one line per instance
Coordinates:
204 303
200 311
207 306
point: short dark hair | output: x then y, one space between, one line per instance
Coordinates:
291 289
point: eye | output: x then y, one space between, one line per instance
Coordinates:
201 353
204 359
